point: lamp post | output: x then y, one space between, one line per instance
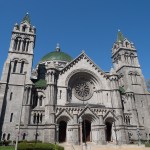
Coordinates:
80 122
57 131
56 134
138 134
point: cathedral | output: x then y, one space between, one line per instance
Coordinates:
65 99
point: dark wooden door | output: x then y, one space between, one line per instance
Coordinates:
62 131
86 130
108 131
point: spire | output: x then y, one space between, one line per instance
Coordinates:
26 18
120 36
57 47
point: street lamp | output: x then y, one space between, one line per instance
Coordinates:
57 133
138 134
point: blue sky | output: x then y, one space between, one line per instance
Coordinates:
89 25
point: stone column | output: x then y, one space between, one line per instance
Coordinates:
101 139
50 124
75 129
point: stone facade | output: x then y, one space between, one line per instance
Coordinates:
63 100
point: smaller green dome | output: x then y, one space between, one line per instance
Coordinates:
56 55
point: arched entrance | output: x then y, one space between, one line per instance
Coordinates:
62 131
108 131
86 131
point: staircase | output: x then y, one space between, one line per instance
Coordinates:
109 146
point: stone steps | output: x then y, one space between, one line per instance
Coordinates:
91 146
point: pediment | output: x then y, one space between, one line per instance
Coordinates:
64 112
110 114
88 111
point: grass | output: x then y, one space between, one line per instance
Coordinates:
7 148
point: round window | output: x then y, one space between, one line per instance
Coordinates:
83 90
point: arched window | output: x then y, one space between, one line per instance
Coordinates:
40 100
4 135
27 46
127 44
28 93
22 66
128 120
38 118
8 136
60 94
11 94
36 100
142 102
41 118
15 65
126 55
19 44
107 97
143 119
15 44
23 45
24 136
34 118
132 58
24 28
11 117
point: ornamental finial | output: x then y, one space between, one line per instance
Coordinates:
27 18
58 47
120 36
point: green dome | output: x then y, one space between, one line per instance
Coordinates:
57 55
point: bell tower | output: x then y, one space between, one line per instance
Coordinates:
126 64
124 53
16 74
131 80
21 52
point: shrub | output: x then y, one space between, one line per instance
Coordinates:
6 143
22 141
38 146
34 141
147 145
1 143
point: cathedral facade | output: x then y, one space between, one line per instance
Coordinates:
72 100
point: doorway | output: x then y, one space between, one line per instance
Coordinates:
62 131
86 131
108 131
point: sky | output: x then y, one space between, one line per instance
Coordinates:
89 25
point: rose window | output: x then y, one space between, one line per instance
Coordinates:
83 90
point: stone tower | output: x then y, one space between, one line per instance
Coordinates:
132 85
16 74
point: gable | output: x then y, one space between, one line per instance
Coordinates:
88 111
81 64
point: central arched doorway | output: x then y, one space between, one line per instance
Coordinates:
86 131
62 131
